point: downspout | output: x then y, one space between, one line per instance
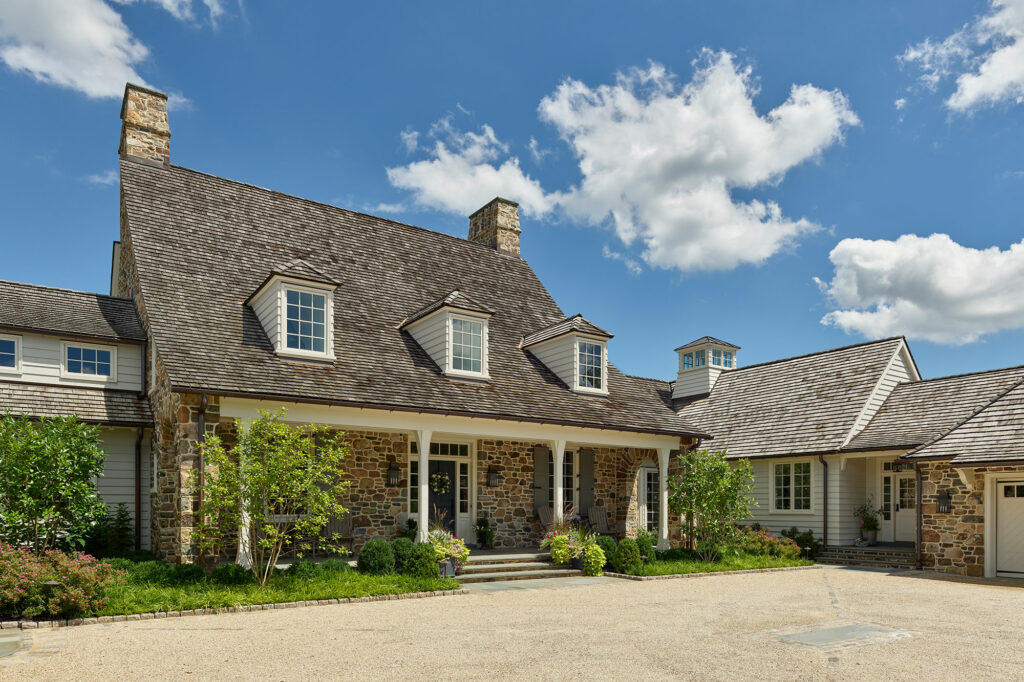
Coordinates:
138 487
145 370
917 487
824 502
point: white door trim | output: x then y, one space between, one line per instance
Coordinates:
463 522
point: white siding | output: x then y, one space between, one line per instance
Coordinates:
118 481
267 307
695 381
779 521
431 332
41 358
899 371
847 490
559 355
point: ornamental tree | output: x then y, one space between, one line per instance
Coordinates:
714 495
276 487
48 472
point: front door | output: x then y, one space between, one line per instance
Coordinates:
442 484
1010 529
905 510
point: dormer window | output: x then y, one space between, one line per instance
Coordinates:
467 345
295 305
304 319
727 359
716 357
590 366
87 361
453 332
576 351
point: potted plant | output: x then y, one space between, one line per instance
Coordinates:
451 552
868 516
484 533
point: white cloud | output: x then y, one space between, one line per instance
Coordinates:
384 207
925 287
986 56
658 162
900 103
631 264
536 151
107 177
410 140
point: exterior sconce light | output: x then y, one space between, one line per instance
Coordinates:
394 475
492 477
945 505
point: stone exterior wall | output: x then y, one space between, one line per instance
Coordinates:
497 226
375 507
145 133
509 506
954 542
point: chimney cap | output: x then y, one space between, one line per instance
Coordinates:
494 201
140 88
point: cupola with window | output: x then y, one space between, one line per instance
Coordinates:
701 362
576 351
295 306
453 332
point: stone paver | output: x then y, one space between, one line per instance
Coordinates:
869 625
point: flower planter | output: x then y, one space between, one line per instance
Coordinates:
576 563
447 567
871 536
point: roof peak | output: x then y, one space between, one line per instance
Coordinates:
708 340
46 287
822 352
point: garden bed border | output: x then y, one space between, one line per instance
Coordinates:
30 624
705 574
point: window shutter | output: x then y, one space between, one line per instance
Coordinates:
540 476
586 481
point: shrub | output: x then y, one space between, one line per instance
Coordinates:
336 566
140 555
231 574
608 546
410 530
560 551
113 535
808 544
402 548
185 574
680 554
447 546
763 543
81 583
376 557
627 557
422 562
120 564
645 545
155 572
593 560
305 570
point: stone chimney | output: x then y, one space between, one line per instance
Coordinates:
497 226
145 132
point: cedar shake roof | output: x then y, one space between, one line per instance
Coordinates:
92 405
455 299
708 339
300 269
202 244
992 435
801 405
921 411
569 325
47 310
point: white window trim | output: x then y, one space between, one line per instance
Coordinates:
282 348
772 509
450 350
414 457
577 339
99 378
17 354
570 496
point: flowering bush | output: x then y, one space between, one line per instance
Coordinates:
574 543
762 543
868 516
79 583
593 560
448 546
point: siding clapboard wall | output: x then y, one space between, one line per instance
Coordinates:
847 490
117 484
558 355
898 371
431 333
779 521
267 309
41 358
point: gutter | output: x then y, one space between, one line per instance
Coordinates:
824 502
138 487
917 486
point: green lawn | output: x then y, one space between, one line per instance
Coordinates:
136 597
730 563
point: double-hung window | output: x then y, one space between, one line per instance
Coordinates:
591 365
85 361
792 486
304 318
467 345
687 360
9 353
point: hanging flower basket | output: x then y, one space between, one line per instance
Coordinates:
440 483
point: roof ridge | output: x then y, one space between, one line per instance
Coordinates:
336 208
65 289
820 352
966 374
964 421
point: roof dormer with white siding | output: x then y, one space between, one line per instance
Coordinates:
295 306
701 362
576 351
453 331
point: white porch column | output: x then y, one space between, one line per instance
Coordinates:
423 518
663 457
558 455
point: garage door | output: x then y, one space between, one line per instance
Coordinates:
1010 529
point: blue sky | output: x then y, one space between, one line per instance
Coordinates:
743 170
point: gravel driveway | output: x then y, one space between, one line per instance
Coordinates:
816 623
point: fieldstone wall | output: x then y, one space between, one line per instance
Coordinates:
375 507
145 133
497 225
508 506
954 542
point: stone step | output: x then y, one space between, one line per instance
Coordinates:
878 563
510 558
480 567
866 556
517 575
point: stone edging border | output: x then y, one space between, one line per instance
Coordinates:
674 576
28 624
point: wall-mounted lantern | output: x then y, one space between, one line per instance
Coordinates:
394 475
492 477
945 504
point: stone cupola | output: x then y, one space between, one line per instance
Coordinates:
701 362
497 226
145 131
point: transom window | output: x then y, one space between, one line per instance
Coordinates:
590 365
8 353
90 361
792 486
467 345
305 321
443 449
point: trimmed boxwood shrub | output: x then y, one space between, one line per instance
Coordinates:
376 557
645 545
403 550
231 574
608 546
305 570
627 557
422 562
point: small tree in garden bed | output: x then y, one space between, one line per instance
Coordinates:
715 494
277 487
48 471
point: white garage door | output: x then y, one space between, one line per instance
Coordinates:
1010 529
